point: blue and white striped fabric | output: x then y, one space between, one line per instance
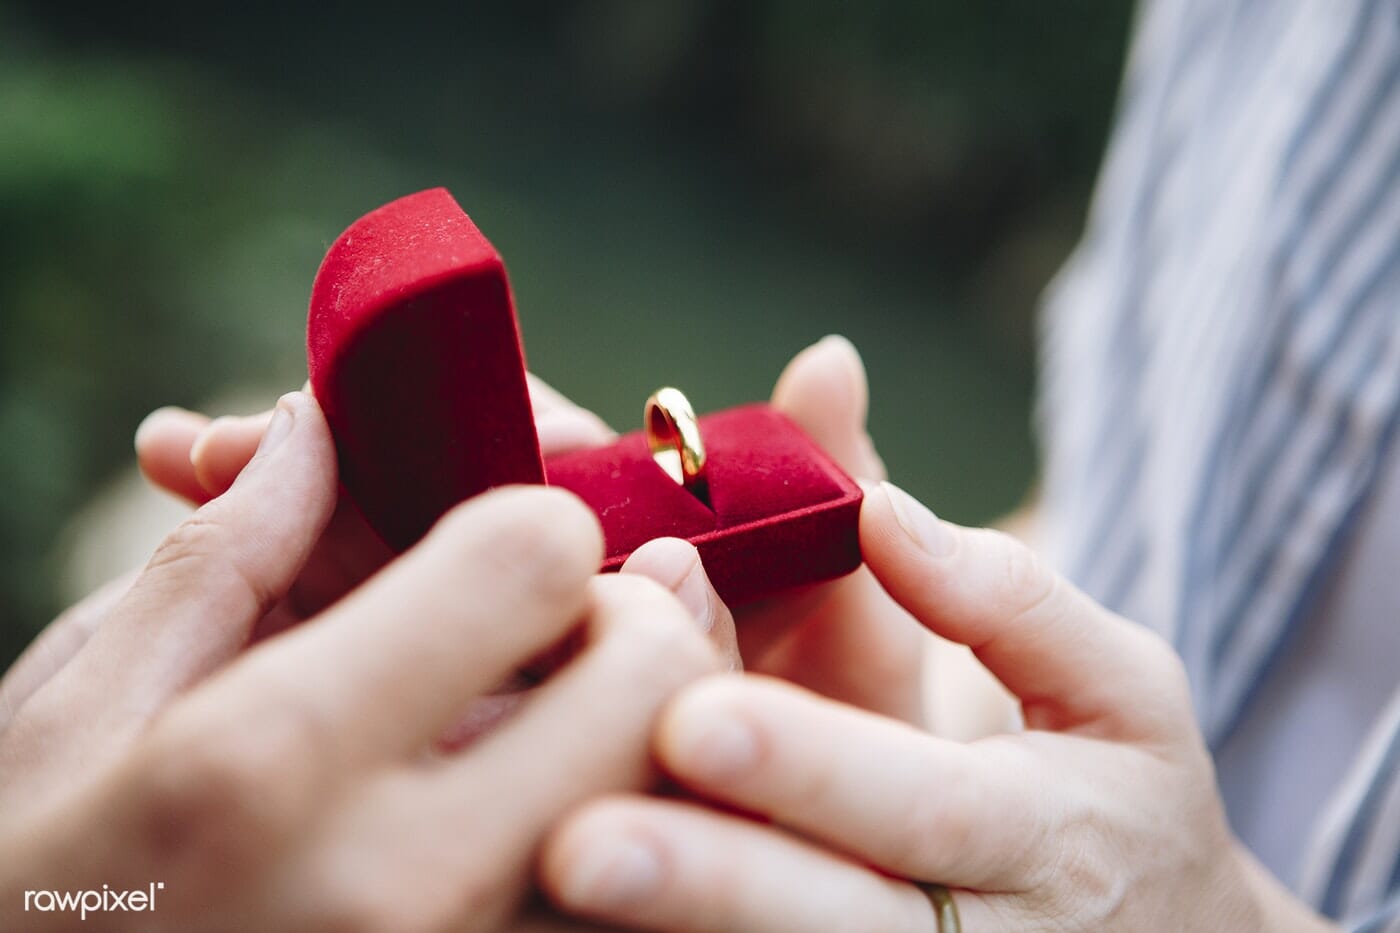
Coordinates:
1222 369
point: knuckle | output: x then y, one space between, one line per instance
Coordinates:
1027 580
201 796
1087 870
213 798
1166 676
481 894
200 537
198 554
938 819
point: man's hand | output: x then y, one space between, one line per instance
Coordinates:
194 458
1102 816
294 785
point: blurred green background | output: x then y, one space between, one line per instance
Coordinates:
685 192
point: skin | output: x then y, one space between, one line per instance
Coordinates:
1102 815
847 639
294 784
1078 796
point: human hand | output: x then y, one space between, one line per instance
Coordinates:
194 458
190 456
1102 816
847 639
294 786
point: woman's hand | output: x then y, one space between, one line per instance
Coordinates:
847 639
293 786
1103 815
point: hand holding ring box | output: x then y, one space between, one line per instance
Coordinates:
416 359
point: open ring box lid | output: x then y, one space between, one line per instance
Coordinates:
416 359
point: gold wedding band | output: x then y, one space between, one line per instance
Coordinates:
944 910
673 434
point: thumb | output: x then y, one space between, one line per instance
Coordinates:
824 391
195 603
1073 664
675 564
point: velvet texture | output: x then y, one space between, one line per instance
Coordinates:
415 356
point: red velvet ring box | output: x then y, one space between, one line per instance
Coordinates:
415 356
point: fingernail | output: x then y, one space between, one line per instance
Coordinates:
925 529
615 872
719 748
837 344
675 565
281 424
694 593
841 350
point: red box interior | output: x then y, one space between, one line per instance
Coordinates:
415 356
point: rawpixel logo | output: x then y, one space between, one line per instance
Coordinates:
82 903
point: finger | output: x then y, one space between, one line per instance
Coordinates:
675 564
349 551
562 425
846 640
224 448
195 603
56 645
893 796
1071 663
593 716
163 443
391 666
763 625
679 868
225 445
483 715
824 391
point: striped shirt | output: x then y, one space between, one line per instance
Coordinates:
1221 384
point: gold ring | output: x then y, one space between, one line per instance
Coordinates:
945 911
673 435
